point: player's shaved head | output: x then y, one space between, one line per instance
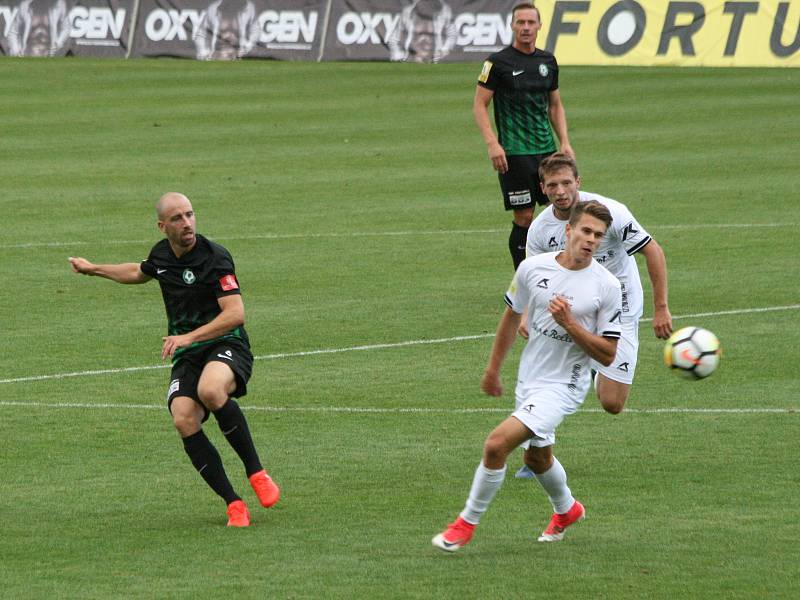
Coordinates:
167 201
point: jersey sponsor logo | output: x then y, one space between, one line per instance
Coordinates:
543 70
487 68
188 277
228 283
574 378
625 304
543 283
629 231
553 334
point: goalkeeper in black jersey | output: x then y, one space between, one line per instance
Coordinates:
522 82
208 345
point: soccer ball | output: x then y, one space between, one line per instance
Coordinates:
693 352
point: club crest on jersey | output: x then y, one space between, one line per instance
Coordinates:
543 70
189 277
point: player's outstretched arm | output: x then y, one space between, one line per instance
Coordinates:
503 340
657 271
601 349
121 273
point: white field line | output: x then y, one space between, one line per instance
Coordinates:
357 234
401 410
369 347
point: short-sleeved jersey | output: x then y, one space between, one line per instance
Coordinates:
522 84
623 239
191 286
551 358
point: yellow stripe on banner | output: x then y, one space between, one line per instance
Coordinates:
717 33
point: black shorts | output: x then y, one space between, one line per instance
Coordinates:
520 184
186 372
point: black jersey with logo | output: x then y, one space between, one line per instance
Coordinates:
522 84
191 285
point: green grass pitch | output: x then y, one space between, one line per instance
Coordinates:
365 220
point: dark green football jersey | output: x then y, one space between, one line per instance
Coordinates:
191 286
522 84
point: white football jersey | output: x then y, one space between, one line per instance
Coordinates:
623 239
550 357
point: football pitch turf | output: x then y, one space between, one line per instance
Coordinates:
371 246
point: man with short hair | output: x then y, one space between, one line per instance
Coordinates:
624 239
573 305
208 345
522 83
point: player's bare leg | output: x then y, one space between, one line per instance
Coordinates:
612 394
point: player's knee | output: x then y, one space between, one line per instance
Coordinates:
494 450
539 462
614 402
612 395
212 396
523 217
613 407
186 424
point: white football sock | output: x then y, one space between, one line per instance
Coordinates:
554 482
484 486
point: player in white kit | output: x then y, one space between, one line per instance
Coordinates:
625 237
574 307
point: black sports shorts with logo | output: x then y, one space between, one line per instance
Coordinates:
520 184
186 372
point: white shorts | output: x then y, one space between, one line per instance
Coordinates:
624 365
542 410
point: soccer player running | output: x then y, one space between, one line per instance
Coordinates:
573 306
208 345
626 237
522 81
